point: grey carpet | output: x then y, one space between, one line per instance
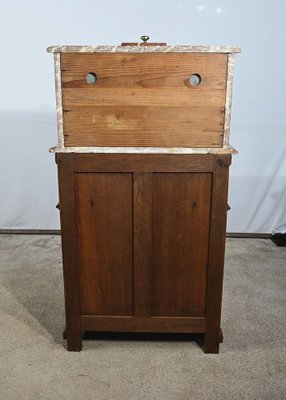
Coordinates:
35 365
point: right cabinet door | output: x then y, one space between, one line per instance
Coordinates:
181 208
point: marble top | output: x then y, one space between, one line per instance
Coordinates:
145 150
143 49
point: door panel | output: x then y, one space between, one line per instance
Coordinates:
180 239
104 225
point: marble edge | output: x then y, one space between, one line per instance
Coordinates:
143 49
145 150
59 100
228 99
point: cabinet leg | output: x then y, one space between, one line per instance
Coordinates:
69 248
212 341
74 341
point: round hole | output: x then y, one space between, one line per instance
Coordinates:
195 79
91 78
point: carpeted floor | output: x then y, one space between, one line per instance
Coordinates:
34 364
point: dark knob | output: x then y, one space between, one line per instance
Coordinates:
144 38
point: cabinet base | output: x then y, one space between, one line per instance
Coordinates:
147 336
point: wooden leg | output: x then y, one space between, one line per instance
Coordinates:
211 343
69 250
213 335
74 341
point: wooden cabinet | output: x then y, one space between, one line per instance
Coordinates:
143 160
143 242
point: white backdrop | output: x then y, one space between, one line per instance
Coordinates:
28 181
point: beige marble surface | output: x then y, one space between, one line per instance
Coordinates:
59 101
145 150
143 49
228 99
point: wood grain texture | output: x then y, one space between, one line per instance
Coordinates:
216 253
160 97
154 324
69 251
165 125
181 213
144 100
143 70
143 163
142 189
104 228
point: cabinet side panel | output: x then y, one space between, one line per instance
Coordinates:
216 252
69 249
181 218
104 224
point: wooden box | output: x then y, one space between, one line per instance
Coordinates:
143 159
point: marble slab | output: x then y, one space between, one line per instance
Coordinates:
59 100
145 150
143 49
228 99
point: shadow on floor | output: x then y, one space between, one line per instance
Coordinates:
136 336
197 338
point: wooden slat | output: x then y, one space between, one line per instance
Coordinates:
181 214
169 70
163 97
159 126
216 253
69 250
143 163
154 324
142 200
104 221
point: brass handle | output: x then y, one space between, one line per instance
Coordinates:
144 38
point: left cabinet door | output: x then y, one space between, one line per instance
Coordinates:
105 243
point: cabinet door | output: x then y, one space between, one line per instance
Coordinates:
181 204
104 226
171 243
